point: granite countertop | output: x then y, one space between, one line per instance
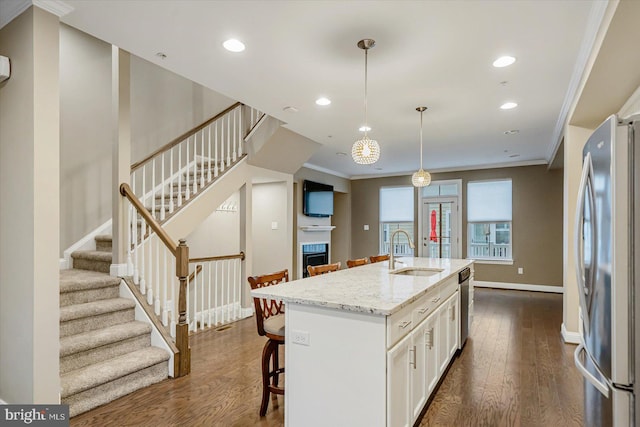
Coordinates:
369 288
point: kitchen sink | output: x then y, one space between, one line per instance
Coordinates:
417 271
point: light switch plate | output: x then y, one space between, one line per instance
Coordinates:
274 225
366 227
520 270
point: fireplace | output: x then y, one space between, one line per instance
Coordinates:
314 254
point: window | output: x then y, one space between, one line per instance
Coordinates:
396 212
489 218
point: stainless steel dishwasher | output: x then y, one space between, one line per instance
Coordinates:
463 280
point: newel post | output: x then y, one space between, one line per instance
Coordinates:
182 328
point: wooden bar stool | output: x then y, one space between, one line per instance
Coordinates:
270 321
356 262
379 258
315 270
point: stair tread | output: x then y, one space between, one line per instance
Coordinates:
78 311
103 372
77 280
104 238
100 337
93 255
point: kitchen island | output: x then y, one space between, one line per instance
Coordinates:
367 346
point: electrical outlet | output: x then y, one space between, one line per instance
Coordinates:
366 227
520 270
300 337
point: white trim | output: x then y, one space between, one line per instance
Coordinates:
10 10
596 14
63 264
246 312
458 169
325 170
57 7
2 402
118 270
256 126
317 227
157 339
87 243
519 286
492 261
569 337
631 107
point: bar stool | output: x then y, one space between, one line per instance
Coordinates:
379 258
270 322
356 262
315 270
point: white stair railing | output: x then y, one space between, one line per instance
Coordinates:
214 293
169 177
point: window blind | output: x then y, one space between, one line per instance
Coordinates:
489 201
396 204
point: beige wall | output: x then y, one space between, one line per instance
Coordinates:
85 134
537 221
29 222
339 250
219 234
271 246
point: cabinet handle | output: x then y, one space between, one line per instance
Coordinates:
429 334
435 300
413 351
423 310
405 324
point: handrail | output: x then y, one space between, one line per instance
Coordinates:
218 258
195 273
184 136
126 191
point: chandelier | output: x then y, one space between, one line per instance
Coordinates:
365 151
421 178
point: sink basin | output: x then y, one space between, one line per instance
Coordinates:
417 271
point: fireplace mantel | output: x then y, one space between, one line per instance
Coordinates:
317 227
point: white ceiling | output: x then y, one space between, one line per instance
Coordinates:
432 53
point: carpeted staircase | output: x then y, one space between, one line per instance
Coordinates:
104 352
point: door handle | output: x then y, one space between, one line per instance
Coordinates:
601 386
579 265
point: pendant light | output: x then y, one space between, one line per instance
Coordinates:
421 178
365 151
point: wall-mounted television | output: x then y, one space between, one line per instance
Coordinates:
317 199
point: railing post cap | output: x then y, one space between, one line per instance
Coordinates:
183 242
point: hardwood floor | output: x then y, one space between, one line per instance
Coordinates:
514 371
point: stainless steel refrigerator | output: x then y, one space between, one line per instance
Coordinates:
606 258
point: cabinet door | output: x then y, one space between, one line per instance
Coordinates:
399 384
443 337
417 369
454 325
432 365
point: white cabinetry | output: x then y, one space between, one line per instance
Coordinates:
417 361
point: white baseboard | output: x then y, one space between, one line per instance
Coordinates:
156 338
246 312
222 312
119 270
569 337
87 243
519 286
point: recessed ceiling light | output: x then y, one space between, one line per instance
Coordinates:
290 109
161 55
511 132
508 105
233 45
504 61
364 129
323 101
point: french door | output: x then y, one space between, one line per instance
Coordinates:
440 234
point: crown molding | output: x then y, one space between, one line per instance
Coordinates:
458 169
9 10
594 22
57 7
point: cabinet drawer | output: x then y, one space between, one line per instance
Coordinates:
423 307
399 324
448 288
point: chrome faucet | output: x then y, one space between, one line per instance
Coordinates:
391 256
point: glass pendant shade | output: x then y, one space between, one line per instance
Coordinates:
365 151
422 178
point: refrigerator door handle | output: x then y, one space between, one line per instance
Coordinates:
602 387
579 258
